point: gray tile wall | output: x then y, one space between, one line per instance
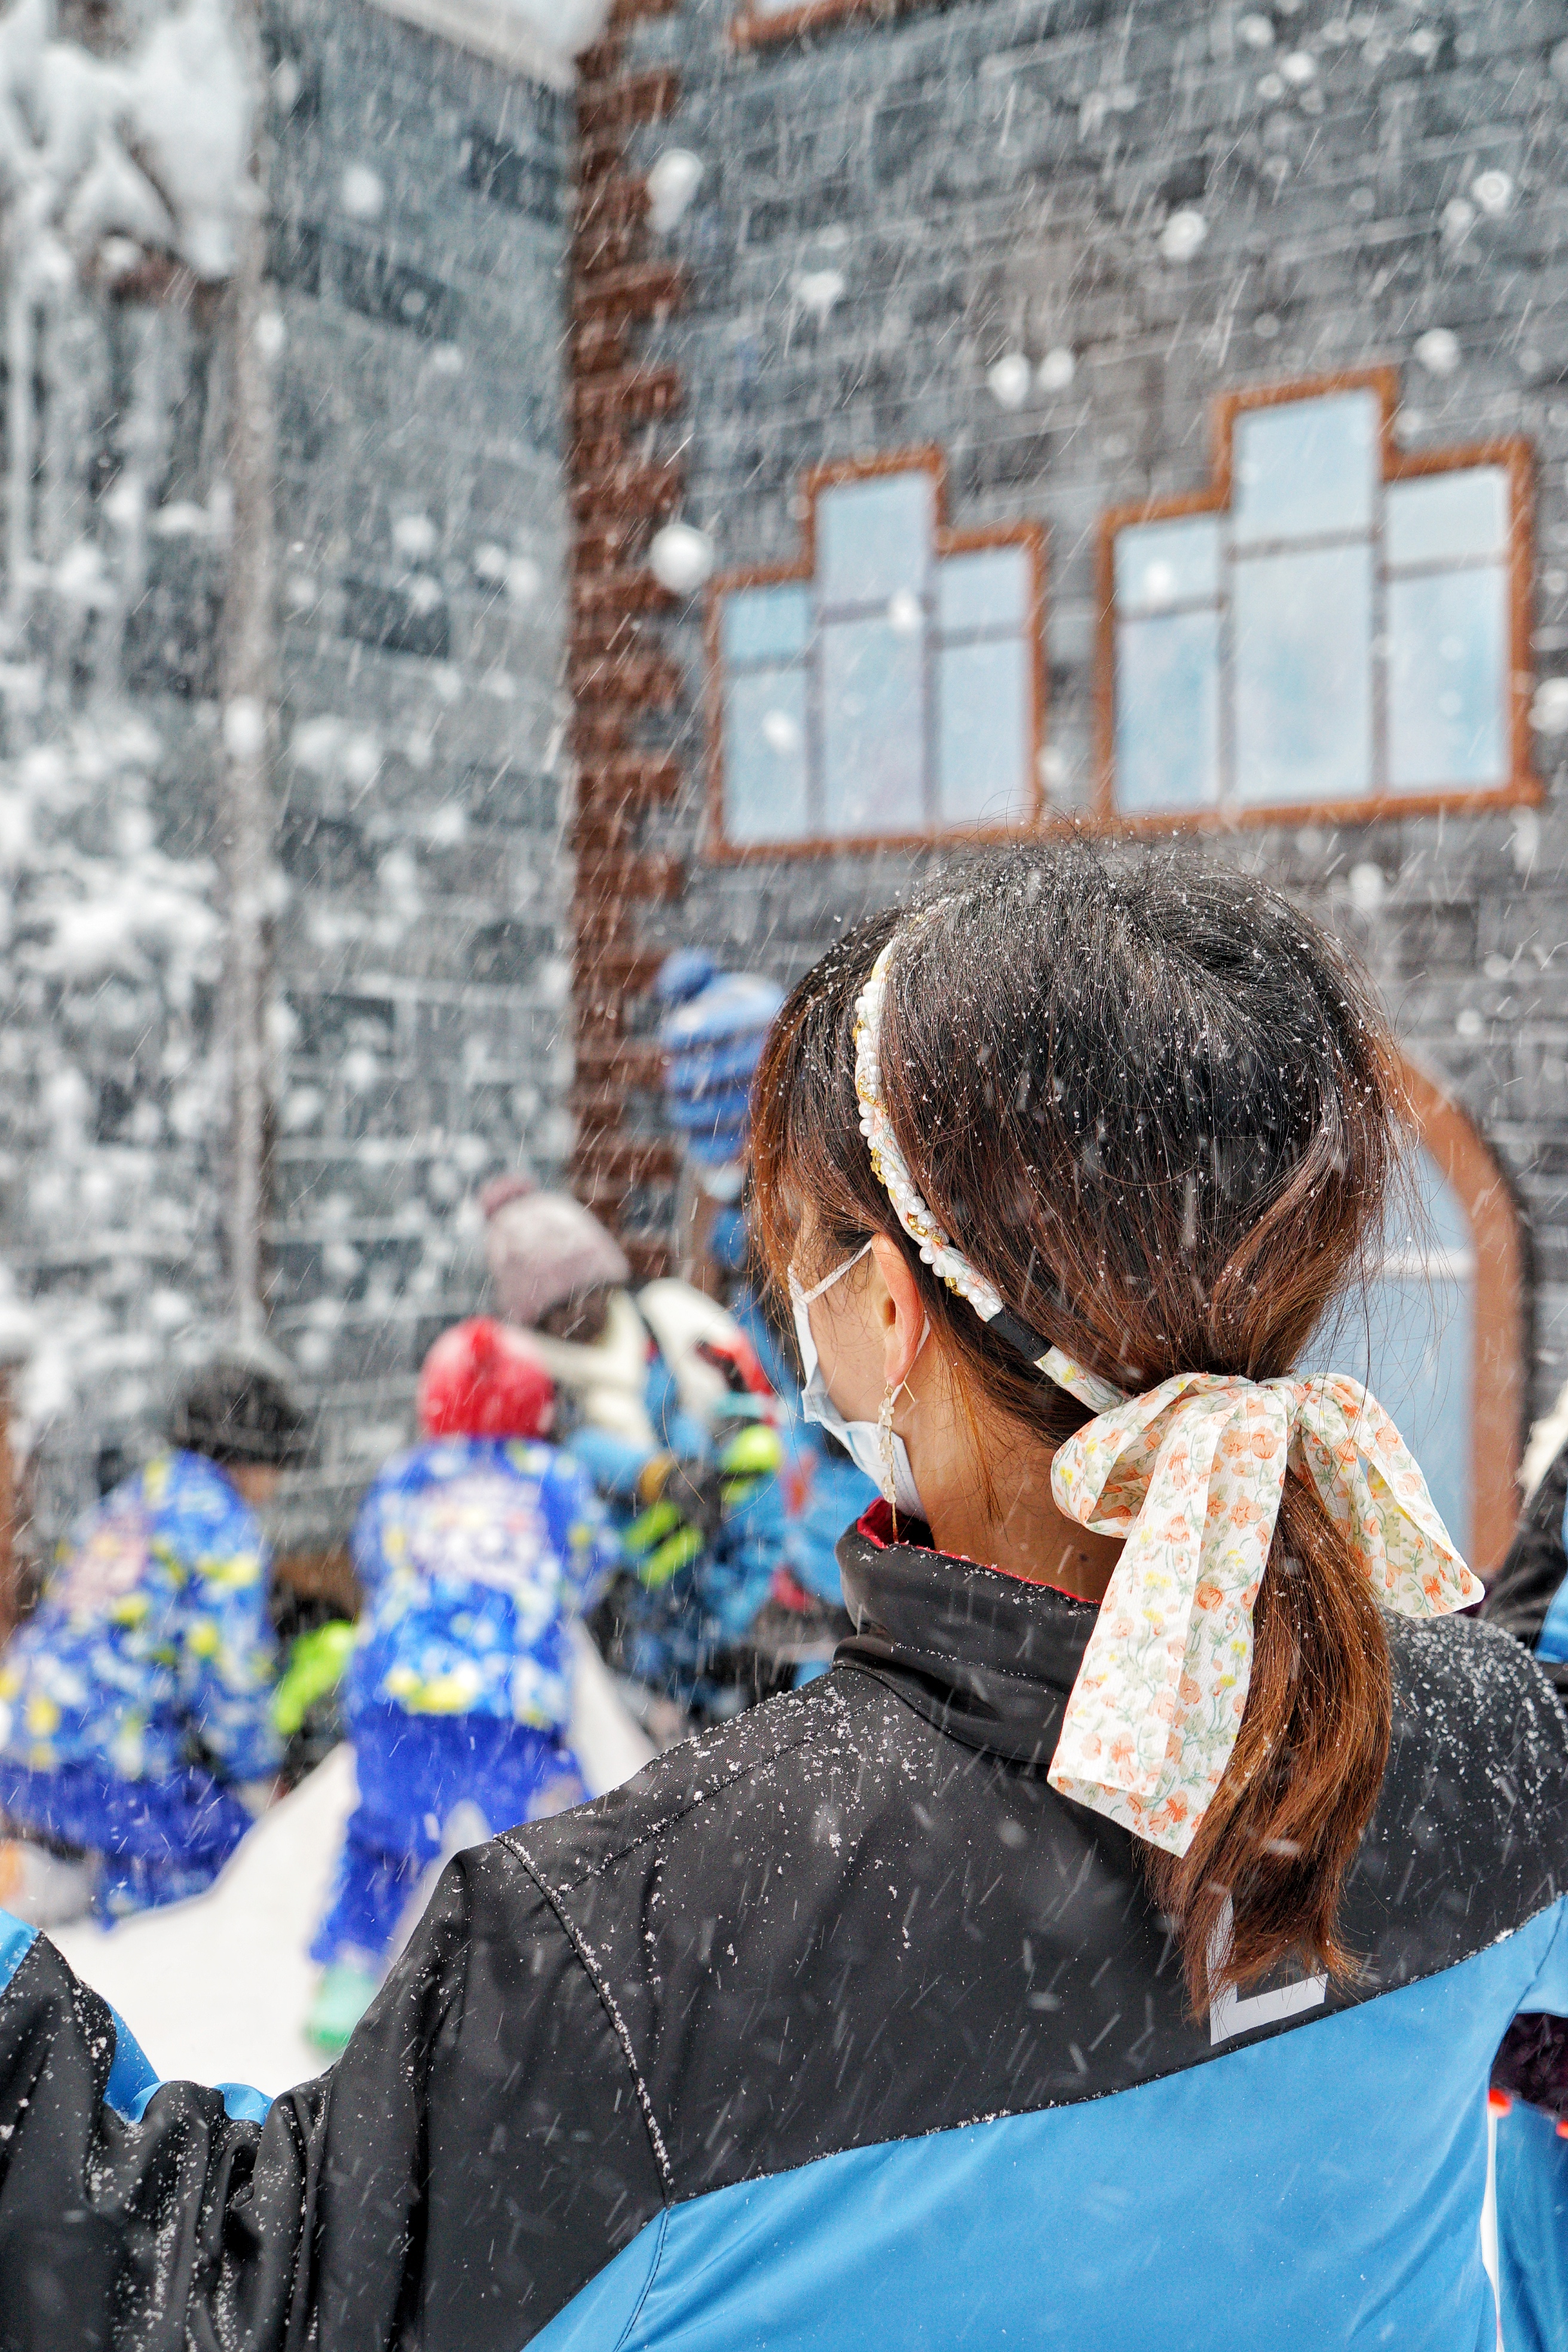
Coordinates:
420 952
417 241
995 176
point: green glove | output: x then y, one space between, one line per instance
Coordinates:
660 1543
316 1665
754 1452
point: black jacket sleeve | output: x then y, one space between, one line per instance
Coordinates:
1520 1593
476 2154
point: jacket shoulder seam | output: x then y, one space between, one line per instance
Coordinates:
588 1960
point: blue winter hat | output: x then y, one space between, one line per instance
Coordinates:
683 975
712 1043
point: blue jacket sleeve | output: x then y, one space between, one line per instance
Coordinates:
1532 2161
579 1528
1533 2231
612 1462
367 1543
678 1431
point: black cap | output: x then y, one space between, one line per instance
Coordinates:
242 1406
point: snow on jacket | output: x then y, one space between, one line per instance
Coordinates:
152 1647
475 1554
838 2025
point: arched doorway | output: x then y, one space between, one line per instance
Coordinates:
1441 1341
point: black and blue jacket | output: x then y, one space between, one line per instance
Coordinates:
838 2026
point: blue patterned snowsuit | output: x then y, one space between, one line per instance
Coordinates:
474 1555
139 1688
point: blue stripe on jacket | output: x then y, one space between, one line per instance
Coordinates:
1321 2188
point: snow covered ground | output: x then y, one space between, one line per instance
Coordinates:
218 1988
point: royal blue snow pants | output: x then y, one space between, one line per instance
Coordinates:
413 1771
160 1840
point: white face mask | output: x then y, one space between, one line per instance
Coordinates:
862 1440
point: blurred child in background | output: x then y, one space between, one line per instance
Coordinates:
475 1550
665 1405
135 1738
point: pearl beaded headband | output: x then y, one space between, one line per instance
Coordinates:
935 1245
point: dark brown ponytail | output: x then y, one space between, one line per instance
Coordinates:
1287 1817
1155 1106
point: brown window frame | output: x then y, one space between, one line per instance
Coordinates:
1498 1335
750 28
945 540
1511 452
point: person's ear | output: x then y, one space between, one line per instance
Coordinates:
902 1315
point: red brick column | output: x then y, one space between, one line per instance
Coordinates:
618 673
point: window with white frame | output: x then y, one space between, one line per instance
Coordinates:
1340 629
889 689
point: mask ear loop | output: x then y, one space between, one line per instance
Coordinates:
804 1297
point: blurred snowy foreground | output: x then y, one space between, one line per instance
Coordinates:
217 1990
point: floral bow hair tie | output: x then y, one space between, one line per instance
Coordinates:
1191 1474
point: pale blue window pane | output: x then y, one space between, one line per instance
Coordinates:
873 729
1443 1230
1411 1344
765 624
1449 678
1306 466
873 538
1304 675
1442 518
984 731
989 590
1426 1227
1410 1339
765 756
1162 564
1167 713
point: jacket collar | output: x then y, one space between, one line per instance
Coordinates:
984 1657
